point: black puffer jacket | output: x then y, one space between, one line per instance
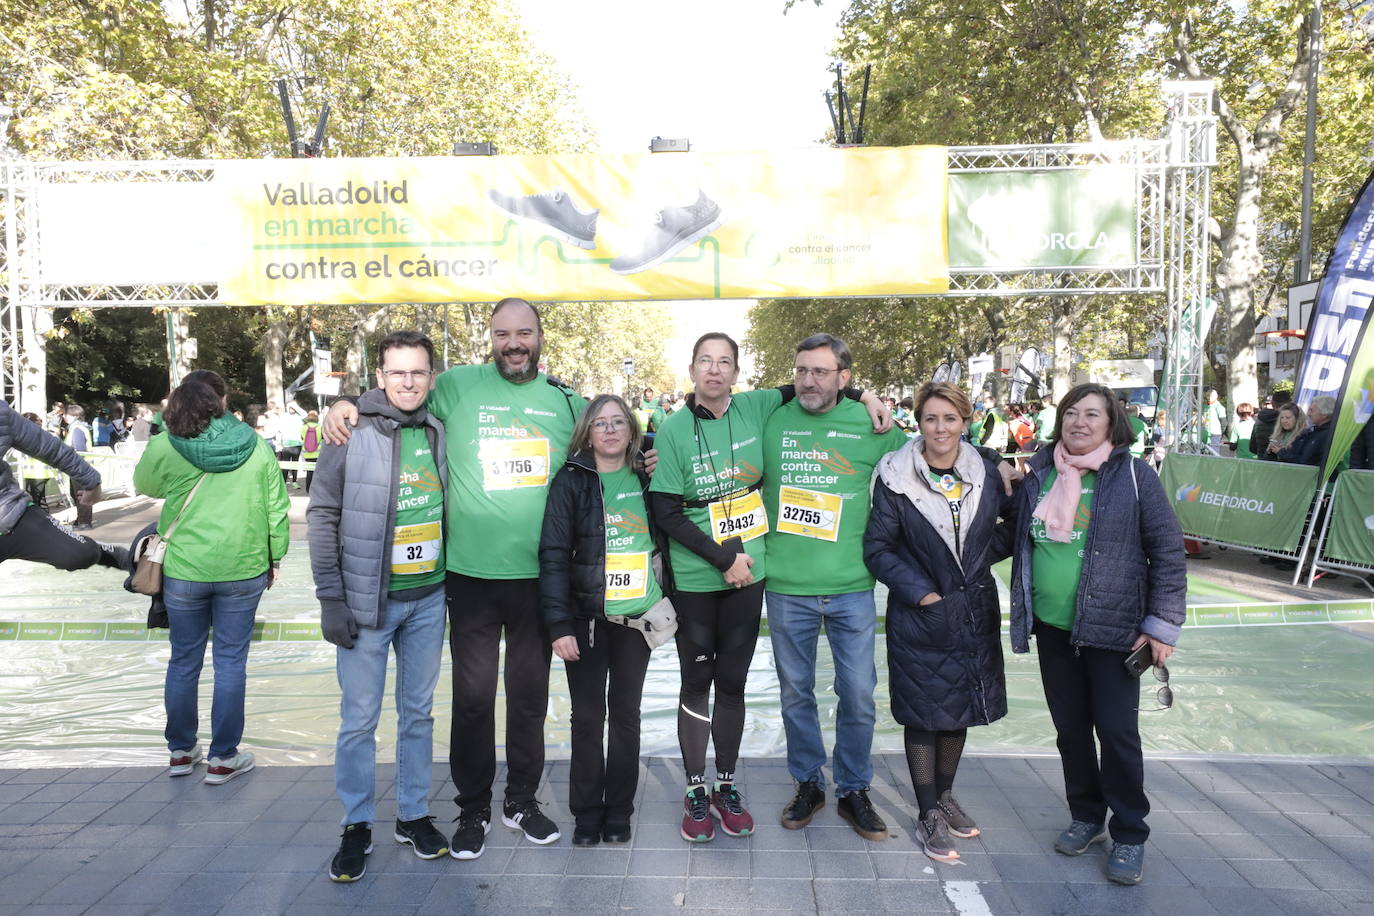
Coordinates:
572 547
944 660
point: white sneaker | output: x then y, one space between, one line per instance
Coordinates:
184 761
223 769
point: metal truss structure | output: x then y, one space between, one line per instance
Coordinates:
1172 196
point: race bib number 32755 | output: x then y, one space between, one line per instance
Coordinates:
809 513
508 464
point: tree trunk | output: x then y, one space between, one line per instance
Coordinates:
1063 317
179 327
273 351
363 328
33 361
1238 270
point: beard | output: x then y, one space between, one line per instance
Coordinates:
816 400
518 375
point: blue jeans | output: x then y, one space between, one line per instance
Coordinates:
415 629
192 608
851 623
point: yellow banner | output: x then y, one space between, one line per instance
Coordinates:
819 222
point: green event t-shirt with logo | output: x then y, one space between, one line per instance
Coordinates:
1056 566
417 540
504 442
631 587
712 459
817 470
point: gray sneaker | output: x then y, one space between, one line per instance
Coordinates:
554 210
933 834
1078 837
1125 864
960 824
674 229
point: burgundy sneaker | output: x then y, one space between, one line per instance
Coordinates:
697 826
184 761
728 805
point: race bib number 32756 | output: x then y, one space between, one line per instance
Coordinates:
508 464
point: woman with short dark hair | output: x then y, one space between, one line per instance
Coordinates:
224 521
1098 571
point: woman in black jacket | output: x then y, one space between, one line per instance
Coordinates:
605 610
932 537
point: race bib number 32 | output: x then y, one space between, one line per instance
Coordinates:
508 464
742 517
627 576
415 549
809 513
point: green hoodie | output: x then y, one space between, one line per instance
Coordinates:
236 526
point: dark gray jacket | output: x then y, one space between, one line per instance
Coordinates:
353 507
1134 578
29 438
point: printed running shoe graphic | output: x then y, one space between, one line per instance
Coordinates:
674 229
553 210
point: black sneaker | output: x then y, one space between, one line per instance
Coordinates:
1078 836
528 819
615 833
350 862
470 839
586 836
422 836
855 808
809 799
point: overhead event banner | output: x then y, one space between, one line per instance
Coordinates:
1338 352
1240 501
816 222
1351 536
1053 218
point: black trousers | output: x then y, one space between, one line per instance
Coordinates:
84 513
36 536
604 772
1089 690
479 611
288 475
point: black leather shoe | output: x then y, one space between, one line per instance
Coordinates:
615 833
809 799
586 836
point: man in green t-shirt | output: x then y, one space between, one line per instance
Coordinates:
508 427
376 549
819 455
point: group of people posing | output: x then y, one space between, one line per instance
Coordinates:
497 501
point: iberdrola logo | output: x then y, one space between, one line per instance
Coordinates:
1193 493
1188 493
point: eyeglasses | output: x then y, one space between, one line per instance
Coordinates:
402 375
724 364
1163 696
618 424
819 375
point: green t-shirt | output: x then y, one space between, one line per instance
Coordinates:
1044 422
1056 566
631 587
1240 433
1140 434
1214 416
417 541
712 459
504 442
823 463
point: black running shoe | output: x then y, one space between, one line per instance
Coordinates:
586 836
528 819
422 836
470 839
855 808
615 833
350 862
809 799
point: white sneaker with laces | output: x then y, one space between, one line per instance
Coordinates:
184 761
223 769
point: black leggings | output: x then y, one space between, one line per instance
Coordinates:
38 537
933 759
716 635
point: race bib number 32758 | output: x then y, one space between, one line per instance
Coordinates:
508 464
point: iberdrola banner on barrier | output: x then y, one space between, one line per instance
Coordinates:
814 222
1351 537
1239 501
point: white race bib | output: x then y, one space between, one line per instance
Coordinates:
742 517
416 549
627 576
809 513
508 464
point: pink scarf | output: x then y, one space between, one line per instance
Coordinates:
1060 505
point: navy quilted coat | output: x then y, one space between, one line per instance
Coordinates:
1135 577
944 660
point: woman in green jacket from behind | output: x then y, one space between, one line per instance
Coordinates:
224 519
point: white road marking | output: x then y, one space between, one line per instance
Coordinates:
967 899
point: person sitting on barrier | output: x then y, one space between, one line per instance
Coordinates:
1309 446
26 531
224 521
1289 422
605 609
932 538
1098 571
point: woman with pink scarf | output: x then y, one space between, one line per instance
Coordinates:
1098 571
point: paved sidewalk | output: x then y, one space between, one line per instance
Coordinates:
1229 837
